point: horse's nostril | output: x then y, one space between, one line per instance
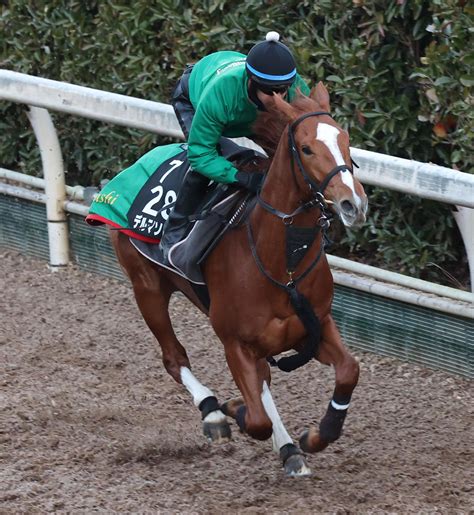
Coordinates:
347 207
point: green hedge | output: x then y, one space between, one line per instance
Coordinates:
398 73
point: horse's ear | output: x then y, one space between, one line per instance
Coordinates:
276 103
320 95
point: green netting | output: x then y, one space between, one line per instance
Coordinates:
23 226
410 333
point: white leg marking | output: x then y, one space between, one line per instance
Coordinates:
328 134
199 393
337 406
195 388
280 435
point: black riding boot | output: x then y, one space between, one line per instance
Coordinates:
190 195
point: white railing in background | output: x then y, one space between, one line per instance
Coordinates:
421 179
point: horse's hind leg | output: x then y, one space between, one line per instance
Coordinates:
152 293
333 352
214 423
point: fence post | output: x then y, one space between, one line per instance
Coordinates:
464 217
55 185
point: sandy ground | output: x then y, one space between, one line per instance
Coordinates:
91 422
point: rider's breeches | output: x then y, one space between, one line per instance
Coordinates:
181 104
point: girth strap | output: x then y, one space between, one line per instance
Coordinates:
311 323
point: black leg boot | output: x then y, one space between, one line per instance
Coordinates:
190 196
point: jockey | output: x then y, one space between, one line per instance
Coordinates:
218 97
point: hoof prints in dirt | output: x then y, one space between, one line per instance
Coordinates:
90 421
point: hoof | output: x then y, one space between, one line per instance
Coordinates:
294 463
310 441
295 466
216 428
231 407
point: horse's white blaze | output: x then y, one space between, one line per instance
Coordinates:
348 180
280 435
328 134
195 388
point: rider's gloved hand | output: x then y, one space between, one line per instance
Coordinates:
250 181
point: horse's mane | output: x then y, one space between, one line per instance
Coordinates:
269 127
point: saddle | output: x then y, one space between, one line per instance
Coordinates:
186 256
224 206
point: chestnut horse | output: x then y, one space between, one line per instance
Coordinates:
249 283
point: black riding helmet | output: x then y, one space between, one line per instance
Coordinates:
270 64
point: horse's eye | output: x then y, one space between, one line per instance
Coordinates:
306 150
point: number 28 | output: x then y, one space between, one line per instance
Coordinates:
158 191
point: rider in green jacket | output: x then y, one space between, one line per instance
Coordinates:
218 97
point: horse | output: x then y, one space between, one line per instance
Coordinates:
254 314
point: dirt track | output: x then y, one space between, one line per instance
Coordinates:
89 420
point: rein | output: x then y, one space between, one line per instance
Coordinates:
292 283
300 303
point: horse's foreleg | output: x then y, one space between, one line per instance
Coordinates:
333 352
249 374
292 459
290 455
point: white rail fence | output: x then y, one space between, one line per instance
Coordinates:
421 179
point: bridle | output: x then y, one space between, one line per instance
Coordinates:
295 156
317 201
317 190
